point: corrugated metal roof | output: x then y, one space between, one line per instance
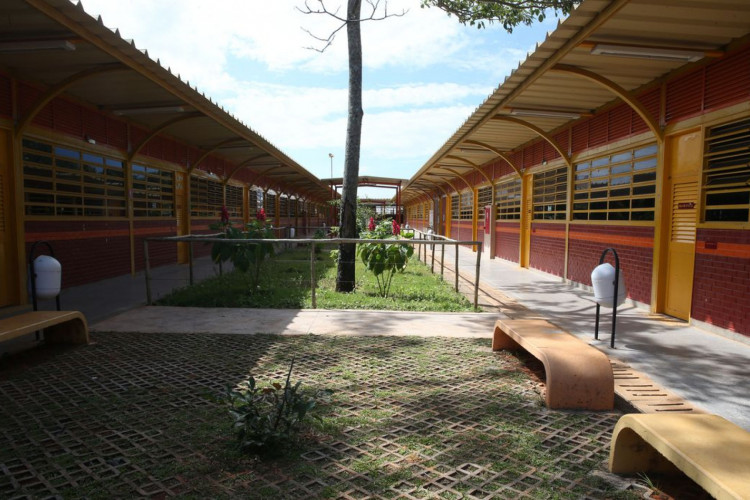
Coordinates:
126 81
561 74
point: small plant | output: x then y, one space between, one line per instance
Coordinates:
247 257
384 260
266 419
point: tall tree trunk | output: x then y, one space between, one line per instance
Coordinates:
345 276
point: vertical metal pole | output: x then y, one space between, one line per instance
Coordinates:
476 280
147 272
456 268
442 258
432 249
615 299
312 276
190 260
596 325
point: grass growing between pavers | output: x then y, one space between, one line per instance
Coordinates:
286 285
409 418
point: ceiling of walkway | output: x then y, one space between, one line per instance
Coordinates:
54 43
606 50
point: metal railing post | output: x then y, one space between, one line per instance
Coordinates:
147 272
190 260
442 259
312 275
456 267
432 266
476 280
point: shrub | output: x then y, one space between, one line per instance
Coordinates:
267 419
384 260
247 257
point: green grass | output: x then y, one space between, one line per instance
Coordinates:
285 284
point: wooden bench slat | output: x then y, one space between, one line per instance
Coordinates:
58 326
712 451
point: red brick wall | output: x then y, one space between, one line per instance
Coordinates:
159 252
87 250
507 240
721 284
547 251
634 246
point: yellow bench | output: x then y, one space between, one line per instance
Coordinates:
59 327
710 450
578 376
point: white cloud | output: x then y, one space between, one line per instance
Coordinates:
250 55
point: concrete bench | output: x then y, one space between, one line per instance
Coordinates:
710 450
59 327
578 376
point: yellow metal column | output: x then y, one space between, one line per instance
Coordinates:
10 263
182 211
527 214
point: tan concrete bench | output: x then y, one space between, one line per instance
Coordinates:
578 376
59 327
710 450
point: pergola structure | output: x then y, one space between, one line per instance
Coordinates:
378 182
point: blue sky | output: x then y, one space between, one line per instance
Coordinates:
424 73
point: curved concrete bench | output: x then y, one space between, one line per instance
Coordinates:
59 327
578 376
710 450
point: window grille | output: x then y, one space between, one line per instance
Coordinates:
65 182
270 205
467 205
726 173
455 208
617 187
508 199
283 206
484 197
550 194
206 197
234 201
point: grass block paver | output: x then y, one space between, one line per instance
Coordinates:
409 418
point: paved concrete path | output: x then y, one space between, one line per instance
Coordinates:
156 319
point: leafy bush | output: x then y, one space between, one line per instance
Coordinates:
384 260
247 257
267 419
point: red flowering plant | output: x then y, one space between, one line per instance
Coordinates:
395 228
261 215
248 256
371 225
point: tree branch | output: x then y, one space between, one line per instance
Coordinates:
323 9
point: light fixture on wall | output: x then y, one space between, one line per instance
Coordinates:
546 113
9 46
145 110
654 53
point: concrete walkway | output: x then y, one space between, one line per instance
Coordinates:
705 368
